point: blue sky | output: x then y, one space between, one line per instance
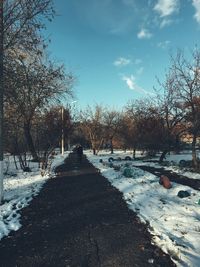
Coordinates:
116 48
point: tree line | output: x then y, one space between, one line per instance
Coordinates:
154 123
35 87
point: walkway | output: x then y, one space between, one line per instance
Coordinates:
79 219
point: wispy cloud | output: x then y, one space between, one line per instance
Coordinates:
144 34
167 7
122 61
196 4
131 83
165 22
164 44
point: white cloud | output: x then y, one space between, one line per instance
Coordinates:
131 83
163 44
144 34
165 22
167 7
196 4
121 61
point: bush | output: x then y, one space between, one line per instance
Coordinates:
128 172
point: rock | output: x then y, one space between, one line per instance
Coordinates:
165 182
183 194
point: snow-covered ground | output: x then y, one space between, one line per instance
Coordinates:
19 189
174 222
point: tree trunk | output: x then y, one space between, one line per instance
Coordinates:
15 162
134 150
94 151
29 141
162 157
111 147
194 155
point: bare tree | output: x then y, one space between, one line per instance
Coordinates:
171 110
128 132
32 84
112 122
22 21
147 125
187 82
19 27
92 126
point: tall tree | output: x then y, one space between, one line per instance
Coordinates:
171 110
187 81
148 126
112 122
92 126
20 21
33 84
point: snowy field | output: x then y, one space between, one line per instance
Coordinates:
174 222
19 189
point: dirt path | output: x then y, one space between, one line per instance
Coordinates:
79 219
174 177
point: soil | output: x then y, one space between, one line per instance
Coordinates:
79 219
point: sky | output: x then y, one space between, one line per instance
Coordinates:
117 48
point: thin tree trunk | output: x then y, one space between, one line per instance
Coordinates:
134 150
194 155
100 145
22 166
111 146
29 141
15 162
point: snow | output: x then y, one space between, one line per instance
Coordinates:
174 222
176 169
19 189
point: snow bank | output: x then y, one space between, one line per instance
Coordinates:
19 189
